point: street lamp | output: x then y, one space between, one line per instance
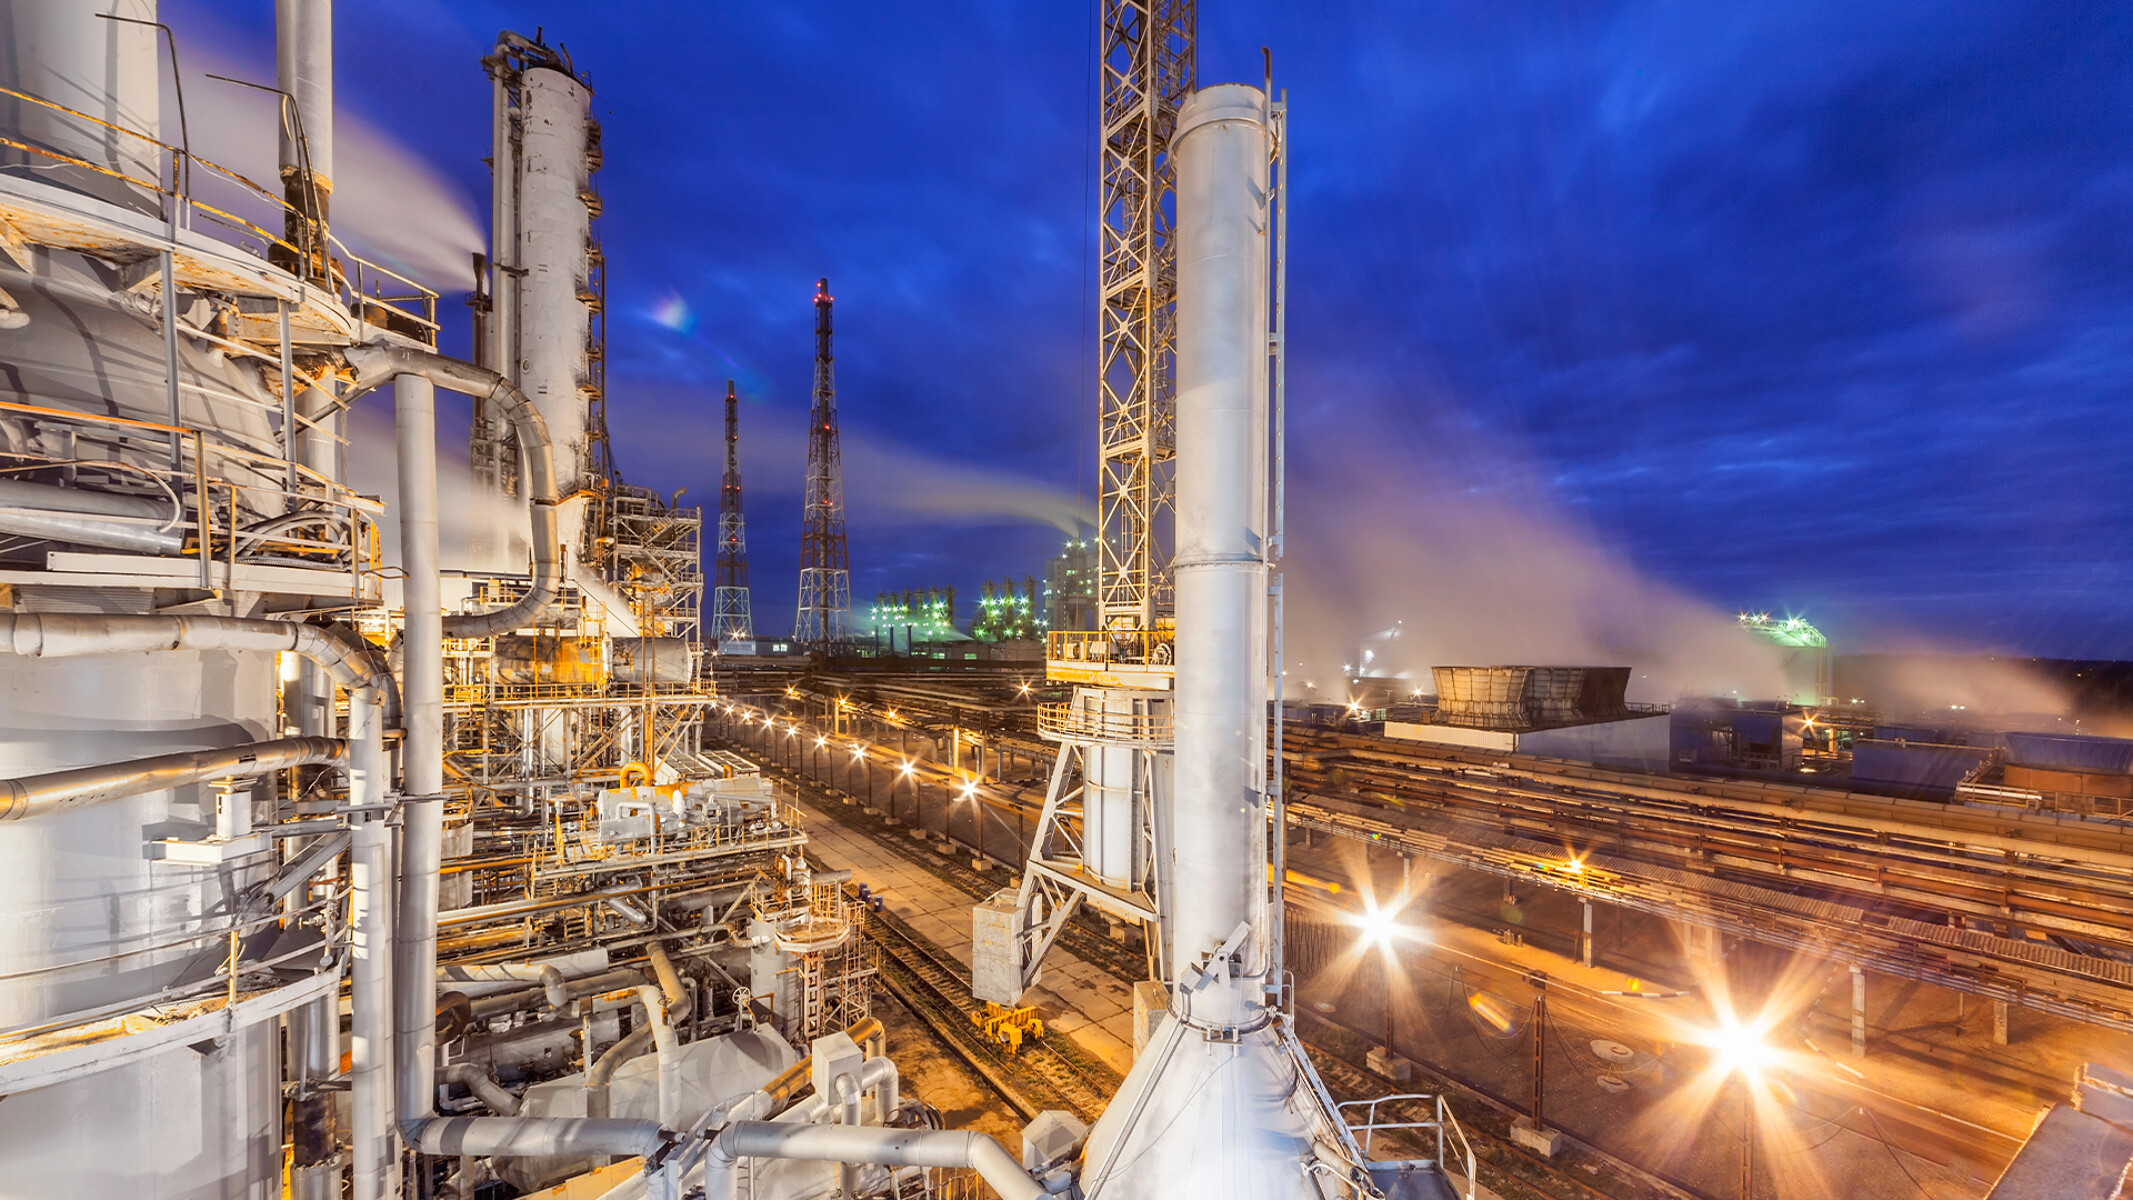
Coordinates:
1381 927
969 795
910 772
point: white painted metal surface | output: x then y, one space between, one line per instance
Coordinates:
554 226
93 921
1221 1102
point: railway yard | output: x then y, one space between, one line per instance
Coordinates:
1928 977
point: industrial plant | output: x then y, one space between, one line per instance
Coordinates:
335 865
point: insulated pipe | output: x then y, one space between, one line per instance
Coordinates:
677 1003
79 787
1219 837
536 1137
668 1050
476 1079
629 912
863 1144
340 651
423 833
377 364
371 1153
370 1003
303 67
90 517
422 753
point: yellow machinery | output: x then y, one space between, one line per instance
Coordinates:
1009 1026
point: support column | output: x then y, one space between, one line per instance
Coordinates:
1858 1013
1999 1022
1585 942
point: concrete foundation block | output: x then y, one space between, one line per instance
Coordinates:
1544 1142
1390 1065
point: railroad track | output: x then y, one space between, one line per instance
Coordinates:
1043 1075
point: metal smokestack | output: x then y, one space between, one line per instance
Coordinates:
1218 822
1222 1102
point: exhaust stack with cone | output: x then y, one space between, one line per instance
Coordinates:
1222 1101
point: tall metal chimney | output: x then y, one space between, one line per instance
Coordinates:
1222 1102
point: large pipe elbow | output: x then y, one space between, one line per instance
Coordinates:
477 1079
377 364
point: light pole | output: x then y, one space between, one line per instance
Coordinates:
977 815
1741 1055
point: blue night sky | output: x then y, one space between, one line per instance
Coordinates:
1814 308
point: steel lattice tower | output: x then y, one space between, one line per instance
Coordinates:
824 622
1147 69
733 629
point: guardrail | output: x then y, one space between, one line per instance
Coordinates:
362 291
1135 646
310 521
1371 1126
1073 723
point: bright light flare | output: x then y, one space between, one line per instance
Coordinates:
1380 927
858 751
970 790
820 742
908 769
1740 1048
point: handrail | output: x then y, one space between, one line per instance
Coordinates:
1067 721
1443 1120
1130 646
180 191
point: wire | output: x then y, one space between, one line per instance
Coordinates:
1895 1156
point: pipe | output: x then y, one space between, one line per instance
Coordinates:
536 1137
377 364
91 518
476 1079
314 1037
863 1144
422 752
668 1052
677 1003
303 68
80 787
339 650
556 993
370 997
415 375
1217 821
629 912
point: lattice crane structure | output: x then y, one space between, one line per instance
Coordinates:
1148 70
824 622
1097 839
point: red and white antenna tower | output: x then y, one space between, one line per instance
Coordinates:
824 622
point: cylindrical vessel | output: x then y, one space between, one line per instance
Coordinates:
555 226
653 660
93 920
1218 838
67 53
